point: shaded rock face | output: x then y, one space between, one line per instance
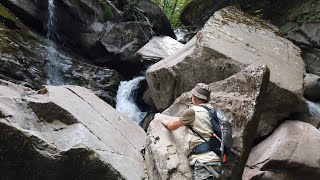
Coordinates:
146 9
67 133
157 18
125 38
230 41
302 26
291 152
311 87
20 59
240 97
24 59
198 12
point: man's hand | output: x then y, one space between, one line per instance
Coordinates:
172 124
165 123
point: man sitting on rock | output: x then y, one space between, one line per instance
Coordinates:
206 165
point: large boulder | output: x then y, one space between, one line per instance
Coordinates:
66 132
156 17
27 59
230 41
158 48
240 97
291 152
125 38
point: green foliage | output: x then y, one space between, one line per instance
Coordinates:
312 17
5 13
172 8
107 10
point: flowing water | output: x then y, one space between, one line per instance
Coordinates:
53 63
180 33
314 108
126 97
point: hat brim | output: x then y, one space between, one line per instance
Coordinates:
198 95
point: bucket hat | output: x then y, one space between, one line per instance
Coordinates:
201 91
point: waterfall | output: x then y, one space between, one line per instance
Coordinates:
50 23
53 63
126 99
314 108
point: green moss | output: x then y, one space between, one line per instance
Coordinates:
288 27
313 17
107 10
6 14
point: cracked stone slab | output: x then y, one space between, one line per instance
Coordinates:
67 133
291 152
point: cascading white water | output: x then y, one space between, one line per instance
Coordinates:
50 23
126 99
314 108
180 33
53 64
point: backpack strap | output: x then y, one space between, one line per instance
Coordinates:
222 153
206 145
208 109
201 148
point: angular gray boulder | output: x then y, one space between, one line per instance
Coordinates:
66 132
125 38
230 41
291 152
158 48
240 97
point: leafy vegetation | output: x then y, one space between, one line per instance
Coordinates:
172 8
107 11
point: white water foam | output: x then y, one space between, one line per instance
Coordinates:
180 33
126 99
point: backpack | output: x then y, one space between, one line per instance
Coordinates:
222 134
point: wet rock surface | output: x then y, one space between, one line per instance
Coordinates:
81 25
25 59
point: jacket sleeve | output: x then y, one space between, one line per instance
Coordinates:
188 117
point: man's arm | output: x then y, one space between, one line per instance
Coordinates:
172 124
